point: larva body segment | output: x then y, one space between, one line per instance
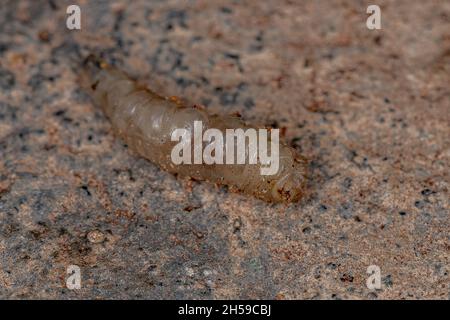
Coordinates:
146 120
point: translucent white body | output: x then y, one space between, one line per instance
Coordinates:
146 120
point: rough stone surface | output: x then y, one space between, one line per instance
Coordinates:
369 108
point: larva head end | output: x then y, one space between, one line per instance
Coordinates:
291 187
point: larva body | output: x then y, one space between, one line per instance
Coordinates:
146 120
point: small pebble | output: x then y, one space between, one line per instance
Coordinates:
96 236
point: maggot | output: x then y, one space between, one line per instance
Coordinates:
145 120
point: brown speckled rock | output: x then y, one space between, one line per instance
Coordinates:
371 109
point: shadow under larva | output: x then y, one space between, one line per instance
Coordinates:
146 120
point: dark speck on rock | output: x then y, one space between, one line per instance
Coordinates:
226 10
228 98
331 265
346 277
177 17
419 204
427 192
59 113
368 183
85 188
3 47
372 295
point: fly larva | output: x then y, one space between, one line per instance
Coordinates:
146 120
